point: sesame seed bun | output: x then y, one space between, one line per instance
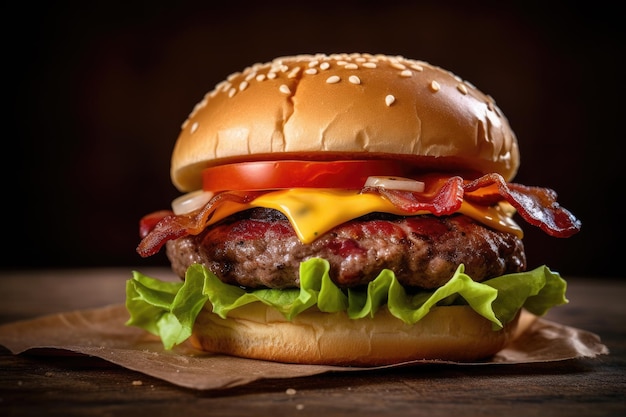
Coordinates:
345 106
451 333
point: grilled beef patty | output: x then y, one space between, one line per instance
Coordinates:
259 248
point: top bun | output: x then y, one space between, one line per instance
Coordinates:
345 106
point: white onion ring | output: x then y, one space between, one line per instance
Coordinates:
191 201
395 183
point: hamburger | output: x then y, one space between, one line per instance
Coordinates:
347 209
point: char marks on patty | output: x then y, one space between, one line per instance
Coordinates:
259 248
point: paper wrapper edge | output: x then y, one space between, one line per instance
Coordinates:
102 333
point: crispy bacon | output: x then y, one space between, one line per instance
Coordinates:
536 205
442 196
155 232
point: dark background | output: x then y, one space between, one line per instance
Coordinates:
95 94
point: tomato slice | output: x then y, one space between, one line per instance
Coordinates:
276 175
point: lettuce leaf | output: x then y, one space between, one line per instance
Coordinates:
169 309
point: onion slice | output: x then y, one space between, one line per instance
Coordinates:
191 201
395 183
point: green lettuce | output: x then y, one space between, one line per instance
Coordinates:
169 309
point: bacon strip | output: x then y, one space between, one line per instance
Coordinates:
159 227
443 196
536 205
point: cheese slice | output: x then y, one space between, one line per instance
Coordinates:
313 212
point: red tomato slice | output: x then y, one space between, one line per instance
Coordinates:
275 175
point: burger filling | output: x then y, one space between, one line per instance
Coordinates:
448 242
259 248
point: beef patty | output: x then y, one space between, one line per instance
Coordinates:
259 248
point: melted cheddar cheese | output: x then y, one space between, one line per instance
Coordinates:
313 212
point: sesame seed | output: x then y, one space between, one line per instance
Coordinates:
417 67
352 66
294 72
324 65
223 86
461 88
434 86
333 79
260 77
311 71
398 65
313 63
354 79
406 73
389 100
271 75
200 105
194 127
250 76
231 92
243 85
284 89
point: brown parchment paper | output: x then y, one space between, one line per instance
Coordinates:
102 333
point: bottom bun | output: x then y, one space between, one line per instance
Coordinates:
451 333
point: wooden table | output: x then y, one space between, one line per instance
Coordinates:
68 385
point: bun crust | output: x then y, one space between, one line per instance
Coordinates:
345 106
451 333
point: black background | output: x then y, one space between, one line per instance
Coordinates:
95 94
